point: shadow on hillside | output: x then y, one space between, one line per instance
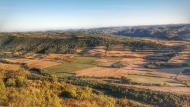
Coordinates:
162 60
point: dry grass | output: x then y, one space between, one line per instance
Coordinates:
41 64
12 67
37 63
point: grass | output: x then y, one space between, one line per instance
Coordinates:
68 68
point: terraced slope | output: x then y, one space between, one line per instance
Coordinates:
182 57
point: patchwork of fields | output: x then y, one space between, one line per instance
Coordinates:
157 70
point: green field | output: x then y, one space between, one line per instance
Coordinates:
68 68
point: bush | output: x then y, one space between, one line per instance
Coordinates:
54 78
16 82
20 82
71 93
36 70
2 85
125 80
13 74
77 93
99 55
84 93
11 82
118 65
25 66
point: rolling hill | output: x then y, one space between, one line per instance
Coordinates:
174 32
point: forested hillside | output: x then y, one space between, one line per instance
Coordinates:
69 42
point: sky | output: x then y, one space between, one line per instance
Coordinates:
31 15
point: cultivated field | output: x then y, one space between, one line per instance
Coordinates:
155 70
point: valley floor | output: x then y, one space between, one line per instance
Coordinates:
99 68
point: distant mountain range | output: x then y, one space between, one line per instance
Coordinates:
174 32
169 32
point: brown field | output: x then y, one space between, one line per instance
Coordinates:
36 63
101 72
13 67
41 63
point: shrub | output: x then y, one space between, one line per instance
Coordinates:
150 66
84 93
77 93
54 78
25 66
125 80
99 55
20 81
35 70
16 81
71 93
11 82
13 74
2 85
118 65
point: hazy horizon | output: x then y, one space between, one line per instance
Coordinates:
36 15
